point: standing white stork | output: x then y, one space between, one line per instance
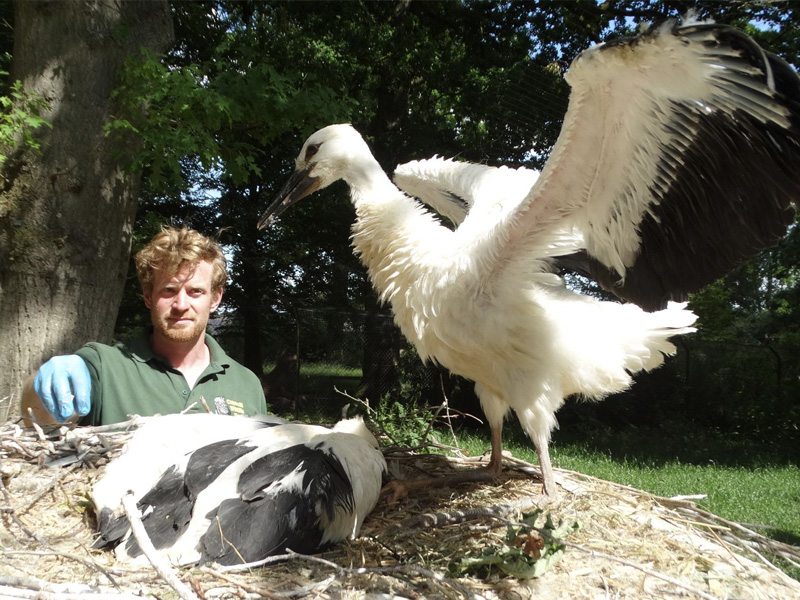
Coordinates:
679 157
237 499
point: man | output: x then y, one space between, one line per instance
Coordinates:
173 366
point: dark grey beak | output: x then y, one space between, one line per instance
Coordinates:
299 186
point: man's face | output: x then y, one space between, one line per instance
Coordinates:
180 305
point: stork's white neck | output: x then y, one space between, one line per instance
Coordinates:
369 183
404 247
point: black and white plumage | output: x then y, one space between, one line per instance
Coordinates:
679 157
239 499
160 443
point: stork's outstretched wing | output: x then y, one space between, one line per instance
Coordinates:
678 159
452 187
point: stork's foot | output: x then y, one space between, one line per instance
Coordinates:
550 493
399 489
547 499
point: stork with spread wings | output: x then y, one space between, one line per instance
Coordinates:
678 159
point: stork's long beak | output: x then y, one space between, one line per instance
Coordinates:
300 185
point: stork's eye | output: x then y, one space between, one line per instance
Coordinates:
311 151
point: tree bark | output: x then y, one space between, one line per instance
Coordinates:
66 212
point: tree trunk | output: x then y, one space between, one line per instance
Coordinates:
66 212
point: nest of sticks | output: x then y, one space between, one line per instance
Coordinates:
440 543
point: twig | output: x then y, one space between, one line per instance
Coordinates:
163 569
12 513
295 593
36 426
766 562
255 564
15 586
205 404
785 551
390 570
448 418
52 552
393 570
50 485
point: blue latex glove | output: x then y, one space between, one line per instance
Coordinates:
64 386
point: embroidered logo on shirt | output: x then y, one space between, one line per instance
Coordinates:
226 406
221 406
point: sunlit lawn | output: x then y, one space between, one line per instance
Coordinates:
743 481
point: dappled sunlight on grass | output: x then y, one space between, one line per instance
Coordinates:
743 481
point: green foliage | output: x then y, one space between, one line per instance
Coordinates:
526 551
218 114
415 379
20 117
407 425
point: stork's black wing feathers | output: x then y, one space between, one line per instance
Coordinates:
208 462
690 239
757 169
168 507
287 511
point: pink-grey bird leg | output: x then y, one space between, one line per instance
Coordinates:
398 489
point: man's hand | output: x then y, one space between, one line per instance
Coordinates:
64 386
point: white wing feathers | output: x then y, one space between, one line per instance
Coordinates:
451 187
673 143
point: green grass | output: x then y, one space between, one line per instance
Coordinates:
744 481
319 382
321 369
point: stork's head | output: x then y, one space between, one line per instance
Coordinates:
356 426
323 159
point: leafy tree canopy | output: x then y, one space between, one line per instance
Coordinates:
229 106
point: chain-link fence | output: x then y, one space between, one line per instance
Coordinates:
334 357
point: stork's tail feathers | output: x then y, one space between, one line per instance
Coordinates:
676 319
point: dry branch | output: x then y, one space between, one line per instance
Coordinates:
161 567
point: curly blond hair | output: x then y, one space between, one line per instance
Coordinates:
172 249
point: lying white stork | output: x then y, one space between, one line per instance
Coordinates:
157 446
678 159
241 499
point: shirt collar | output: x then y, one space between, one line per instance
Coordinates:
141 350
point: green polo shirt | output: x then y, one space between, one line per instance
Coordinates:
129 379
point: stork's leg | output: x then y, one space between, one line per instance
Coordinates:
537 420
495 465
548 481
